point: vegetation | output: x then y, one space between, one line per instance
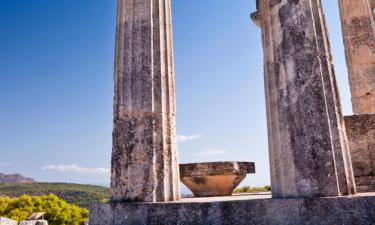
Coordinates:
58 211
248 189
80 195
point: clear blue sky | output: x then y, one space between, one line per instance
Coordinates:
56 90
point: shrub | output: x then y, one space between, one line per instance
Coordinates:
248 189
77 194
58 212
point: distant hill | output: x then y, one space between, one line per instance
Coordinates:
80 195
15 178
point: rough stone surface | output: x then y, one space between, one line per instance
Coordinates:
361 135
308 148
358 210
6 221
358 27
214 178
216 168
144 158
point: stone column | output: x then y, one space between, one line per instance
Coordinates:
144 158
308 147
358 25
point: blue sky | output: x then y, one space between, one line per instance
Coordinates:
56 88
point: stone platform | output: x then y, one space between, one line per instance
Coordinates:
248 209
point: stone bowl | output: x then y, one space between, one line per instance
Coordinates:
214 178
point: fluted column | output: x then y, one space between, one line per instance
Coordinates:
144 157
308 147
358 25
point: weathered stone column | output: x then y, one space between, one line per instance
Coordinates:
308 147
358 25
144 158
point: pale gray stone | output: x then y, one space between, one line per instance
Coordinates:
358 25
6 221
240 210
144 158
308 148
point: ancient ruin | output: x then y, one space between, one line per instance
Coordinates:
308 150
358 25
312 149
361 134
144 159
215 178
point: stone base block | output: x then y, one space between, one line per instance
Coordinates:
365 184
240 210
360 130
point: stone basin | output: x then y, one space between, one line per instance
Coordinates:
214 178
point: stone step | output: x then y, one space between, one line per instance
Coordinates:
240 210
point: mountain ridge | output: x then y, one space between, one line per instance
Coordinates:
15 179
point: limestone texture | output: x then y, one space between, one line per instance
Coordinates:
361 135
356 210
6 221
214 178
144 154
358 25
308 148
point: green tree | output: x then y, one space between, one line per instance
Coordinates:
58 212
248 189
